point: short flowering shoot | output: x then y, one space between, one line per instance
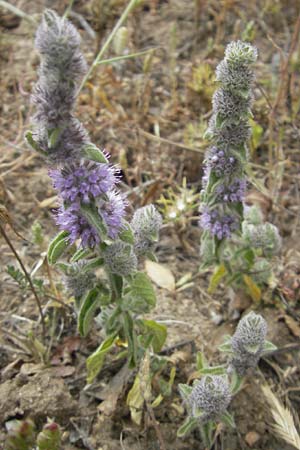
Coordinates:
207 401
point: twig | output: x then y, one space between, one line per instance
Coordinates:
167 141
18 12
120 22
27 276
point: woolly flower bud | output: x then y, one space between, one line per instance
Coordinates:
232 192
229 105
248 342
253 215
211 395
264 236
78 281
50 437
146 223
221 162
120 258
218 224
84 181
240 53
21 435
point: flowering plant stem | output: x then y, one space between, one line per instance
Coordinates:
97 60
37 299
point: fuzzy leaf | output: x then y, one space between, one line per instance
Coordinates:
228 419
126 234
88 306
32 143
253 289
53 137
139 296
269 347
92 216
57 246
216 278
236 382
81 253
217 370
201 361
189 424
159 333
93 153
131 337
95 361
185 391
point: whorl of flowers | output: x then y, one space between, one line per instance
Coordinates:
78 281
210 396
248 342
58 134
120 258
224 181
146 223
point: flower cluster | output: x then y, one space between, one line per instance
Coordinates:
248 342
120 258
210 396
224 181
263 236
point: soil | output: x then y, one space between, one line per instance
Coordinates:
151 118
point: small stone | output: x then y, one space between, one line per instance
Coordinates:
252 438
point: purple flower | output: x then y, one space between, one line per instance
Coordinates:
217 223
112 211
71 219
232 192
84 181
221 161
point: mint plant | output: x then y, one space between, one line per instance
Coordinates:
208 399
95 235
234 237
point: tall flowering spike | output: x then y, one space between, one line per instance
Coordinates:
224 181
120 258
211 397
248 342
146 223
57 133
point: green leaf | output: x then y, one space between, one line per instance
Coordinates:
139 296
185 391
33 144
226 347
88 306
81 253
126 234
53 137
159 333
57 246
95 361
93 217
217 370
228 419
269 347
91 152
189 424
236 382
201 361
216 278
93 264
